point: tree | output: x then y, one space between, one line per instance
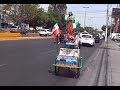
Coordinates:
81 29
58 11
104 29
20 12
89 29
33 15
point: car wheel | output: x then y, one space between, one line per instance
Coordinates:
79 45
39 34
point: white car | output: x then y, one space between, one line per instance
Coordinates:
87 39
44 32
49 32
31 28
14 29
101 36
83 33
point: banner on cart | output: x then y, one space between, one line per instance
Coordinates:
69 52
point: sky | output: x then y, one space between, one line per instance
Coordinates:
95 14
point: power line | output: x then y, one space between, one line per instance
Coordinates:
92 12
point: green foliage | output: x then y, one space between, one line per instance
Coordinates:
34 15
58 11
104 29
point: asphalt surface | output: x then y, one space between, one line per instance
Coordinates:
29 63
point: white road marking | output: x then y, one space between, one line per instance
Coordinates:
48 51
2 65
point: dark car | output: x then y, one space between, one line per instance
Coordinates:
97 39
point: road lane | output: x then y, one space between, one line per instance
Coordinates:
29 62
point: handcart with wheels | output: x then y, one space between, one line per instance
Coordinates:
68 57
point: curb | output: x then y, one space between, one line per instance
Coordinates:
100 72
24 38
4 35
91 69
118 44
103 70
109 73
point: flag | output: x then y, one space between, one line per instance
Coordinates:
56 30
117 25
66 17
74 25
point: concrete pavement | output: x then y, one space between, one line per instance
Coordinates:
113 78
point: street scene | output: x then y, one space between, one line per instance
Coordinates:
59 44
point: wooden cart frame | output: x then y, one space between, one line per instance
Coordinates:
65 52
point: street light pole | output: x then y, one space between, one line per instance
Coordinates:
91 18
111 27
106 24
85 16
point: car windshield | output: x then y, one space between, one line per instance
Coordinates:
84 33
43 30
86 36
13 27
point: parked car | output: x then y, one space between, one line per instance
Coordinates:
14 29
118 37
115 36
49 32
44 32
31 28
87 39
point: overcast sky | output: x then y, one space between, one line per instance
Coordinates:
95 14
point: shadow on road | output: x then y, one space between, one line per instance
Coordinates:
64 72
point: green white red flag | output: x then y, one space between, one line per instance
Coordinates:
56 30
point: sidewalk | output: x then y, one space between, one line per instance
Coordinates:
113 63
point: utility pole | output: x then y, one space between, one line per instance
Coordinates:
85 16
111 28
106 24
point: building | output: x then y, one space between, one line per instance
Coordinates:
115 17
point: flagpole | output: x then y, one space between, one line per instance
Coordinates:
57 44
56 32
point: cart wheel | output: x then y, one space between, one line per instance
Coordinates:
55 71
69 69
78 69
77 73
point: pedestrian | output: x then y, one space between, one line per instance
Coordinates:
58 39
78 41
56 32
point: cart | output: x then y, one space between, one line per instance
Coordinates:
68 57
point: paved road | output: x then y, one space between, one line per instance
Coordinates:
29 62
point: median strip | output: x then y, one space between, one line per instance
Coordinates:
6 35
24 38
